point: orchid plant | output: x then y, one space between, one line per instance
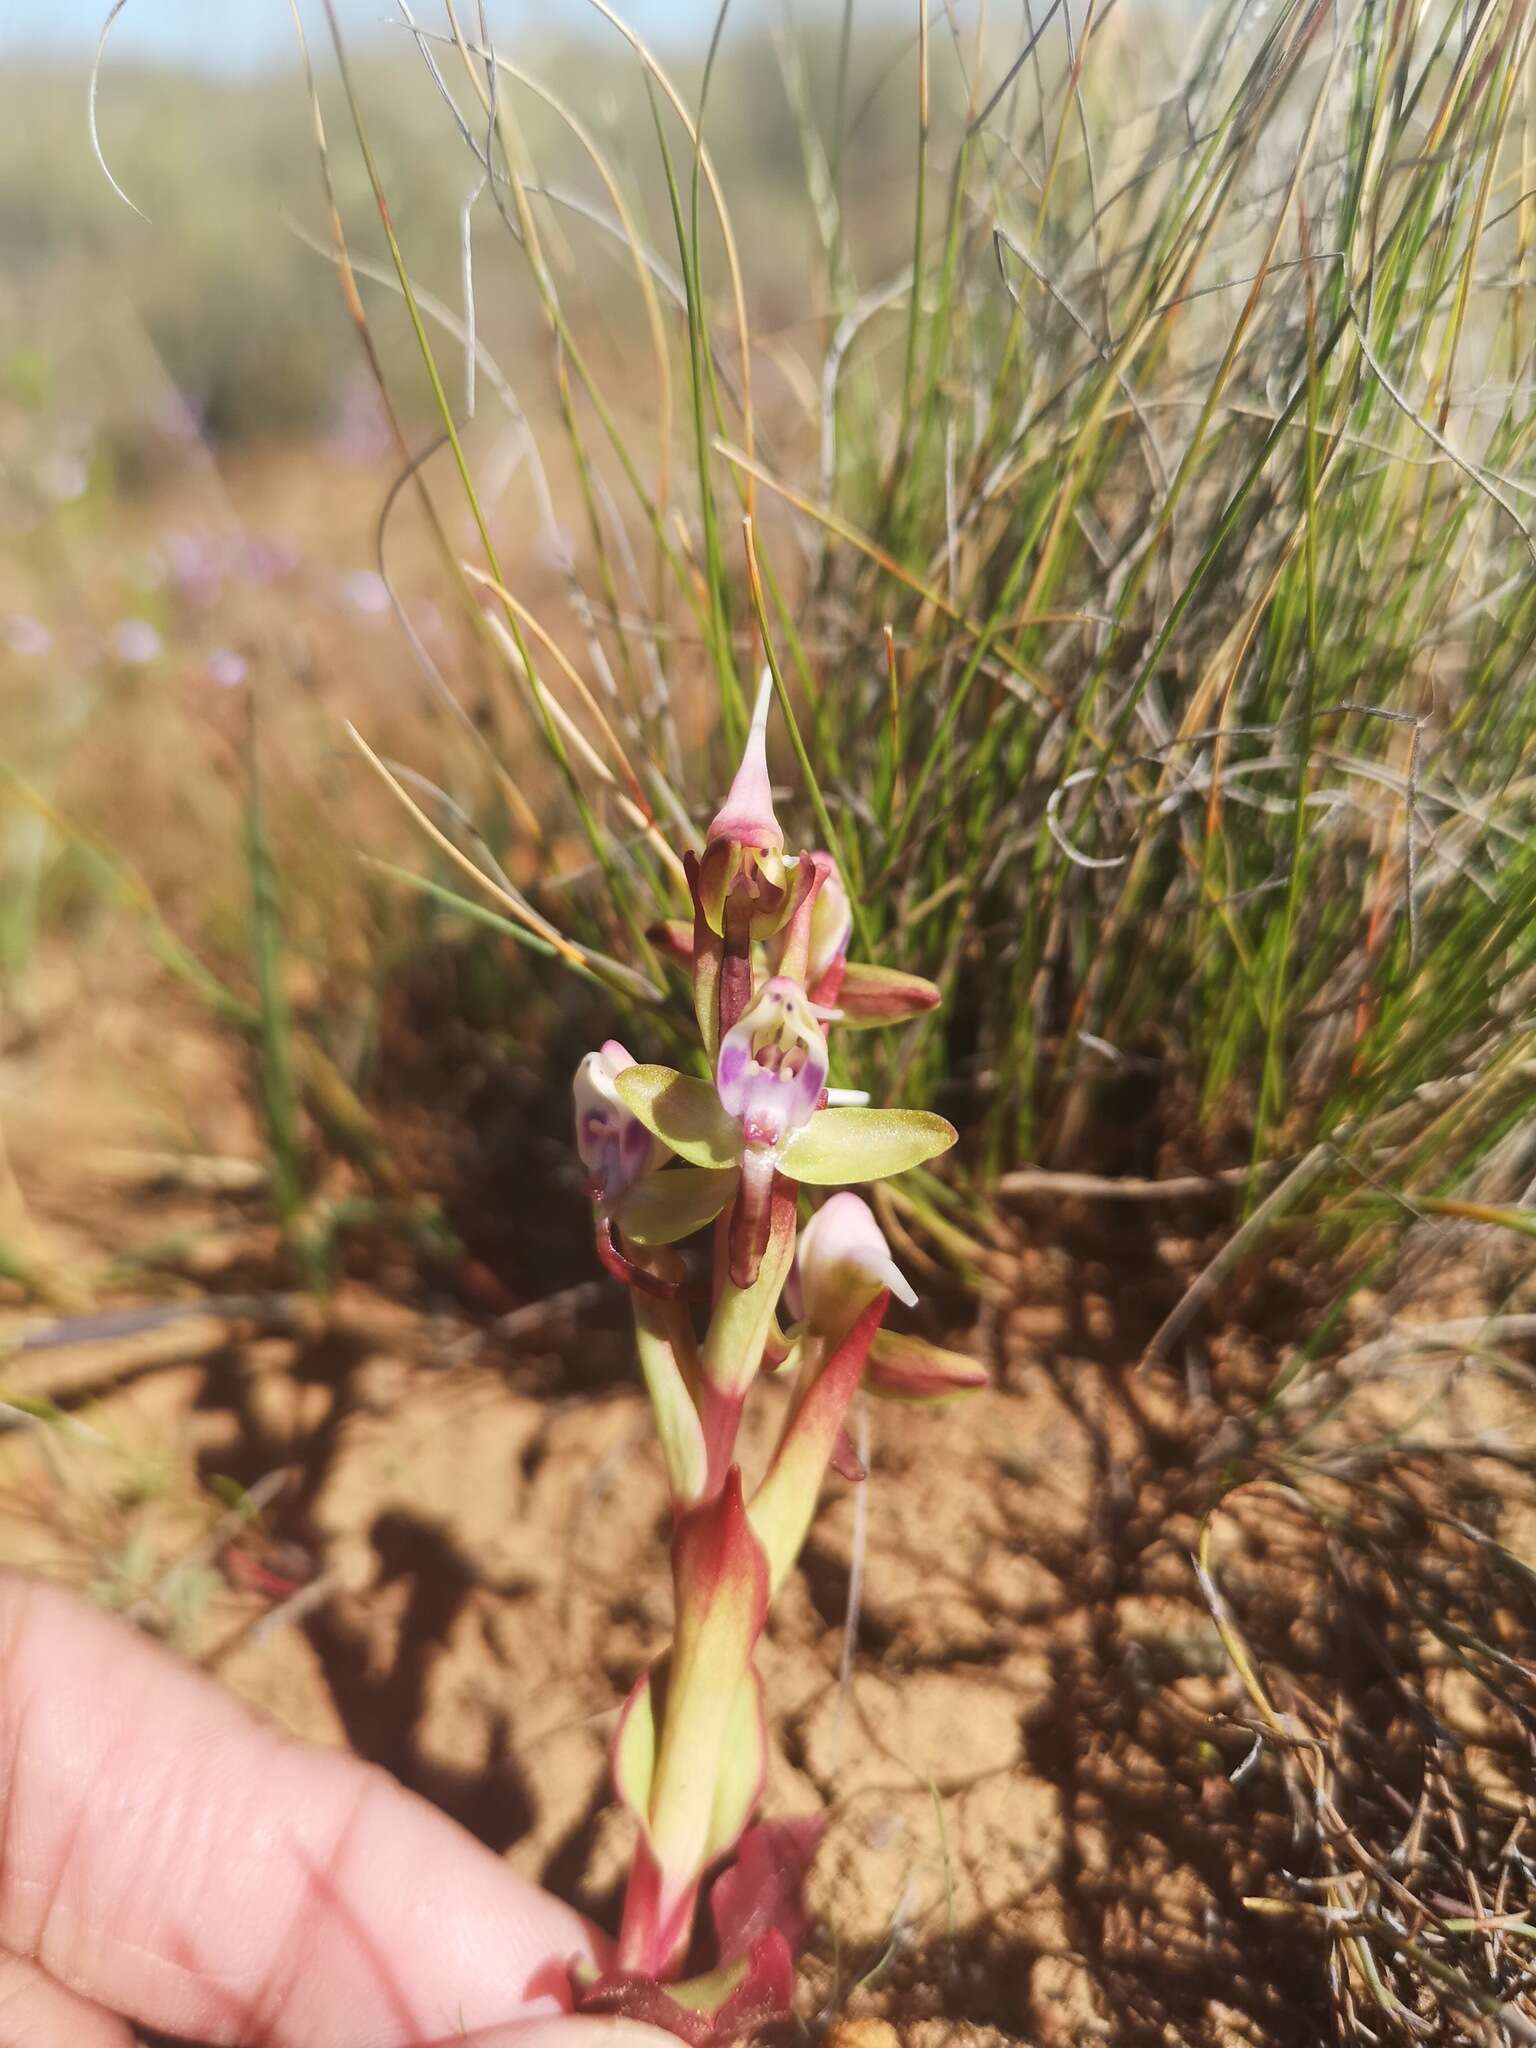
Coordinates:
668 1155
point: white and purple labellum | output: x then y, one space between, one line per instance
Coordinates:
772 1066
614 1146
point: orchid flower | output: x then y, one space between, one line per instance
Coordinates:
611 1142
761 1118
844 1263
668 1154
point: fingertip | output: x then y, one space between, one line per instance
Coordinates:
572 2031
350 1909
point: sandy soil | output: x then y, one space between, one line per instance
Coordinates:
1034 1829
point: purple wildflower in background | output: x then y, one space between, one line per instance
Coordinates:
192 567
136 642
266 558
226 669
366 593
25 635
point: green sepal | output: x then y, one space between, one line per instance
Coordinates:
839 1147
665 1207
685 1114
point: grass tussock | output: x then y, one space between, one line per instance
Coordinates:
1145 563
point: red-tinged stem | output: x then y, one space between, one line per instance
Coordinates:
736 966
720 1414
786 1500
653 1937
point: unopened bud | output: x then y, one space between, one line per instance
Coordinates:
844 1263
747 817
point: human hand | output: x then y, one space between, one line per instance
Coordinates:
166 1857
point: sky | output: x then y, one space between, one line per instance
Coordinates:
245 35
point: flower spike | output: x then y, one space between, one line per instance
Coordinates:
668 1155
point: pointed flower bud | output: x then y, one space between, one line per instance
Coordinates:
772 1066
746 817
868 995
614 1145
844 1263
744 888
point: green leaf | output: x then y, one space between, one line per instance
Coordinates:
684 1114
743 1765
669 1361
667 1206
743 1756
634 1750
840 1146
